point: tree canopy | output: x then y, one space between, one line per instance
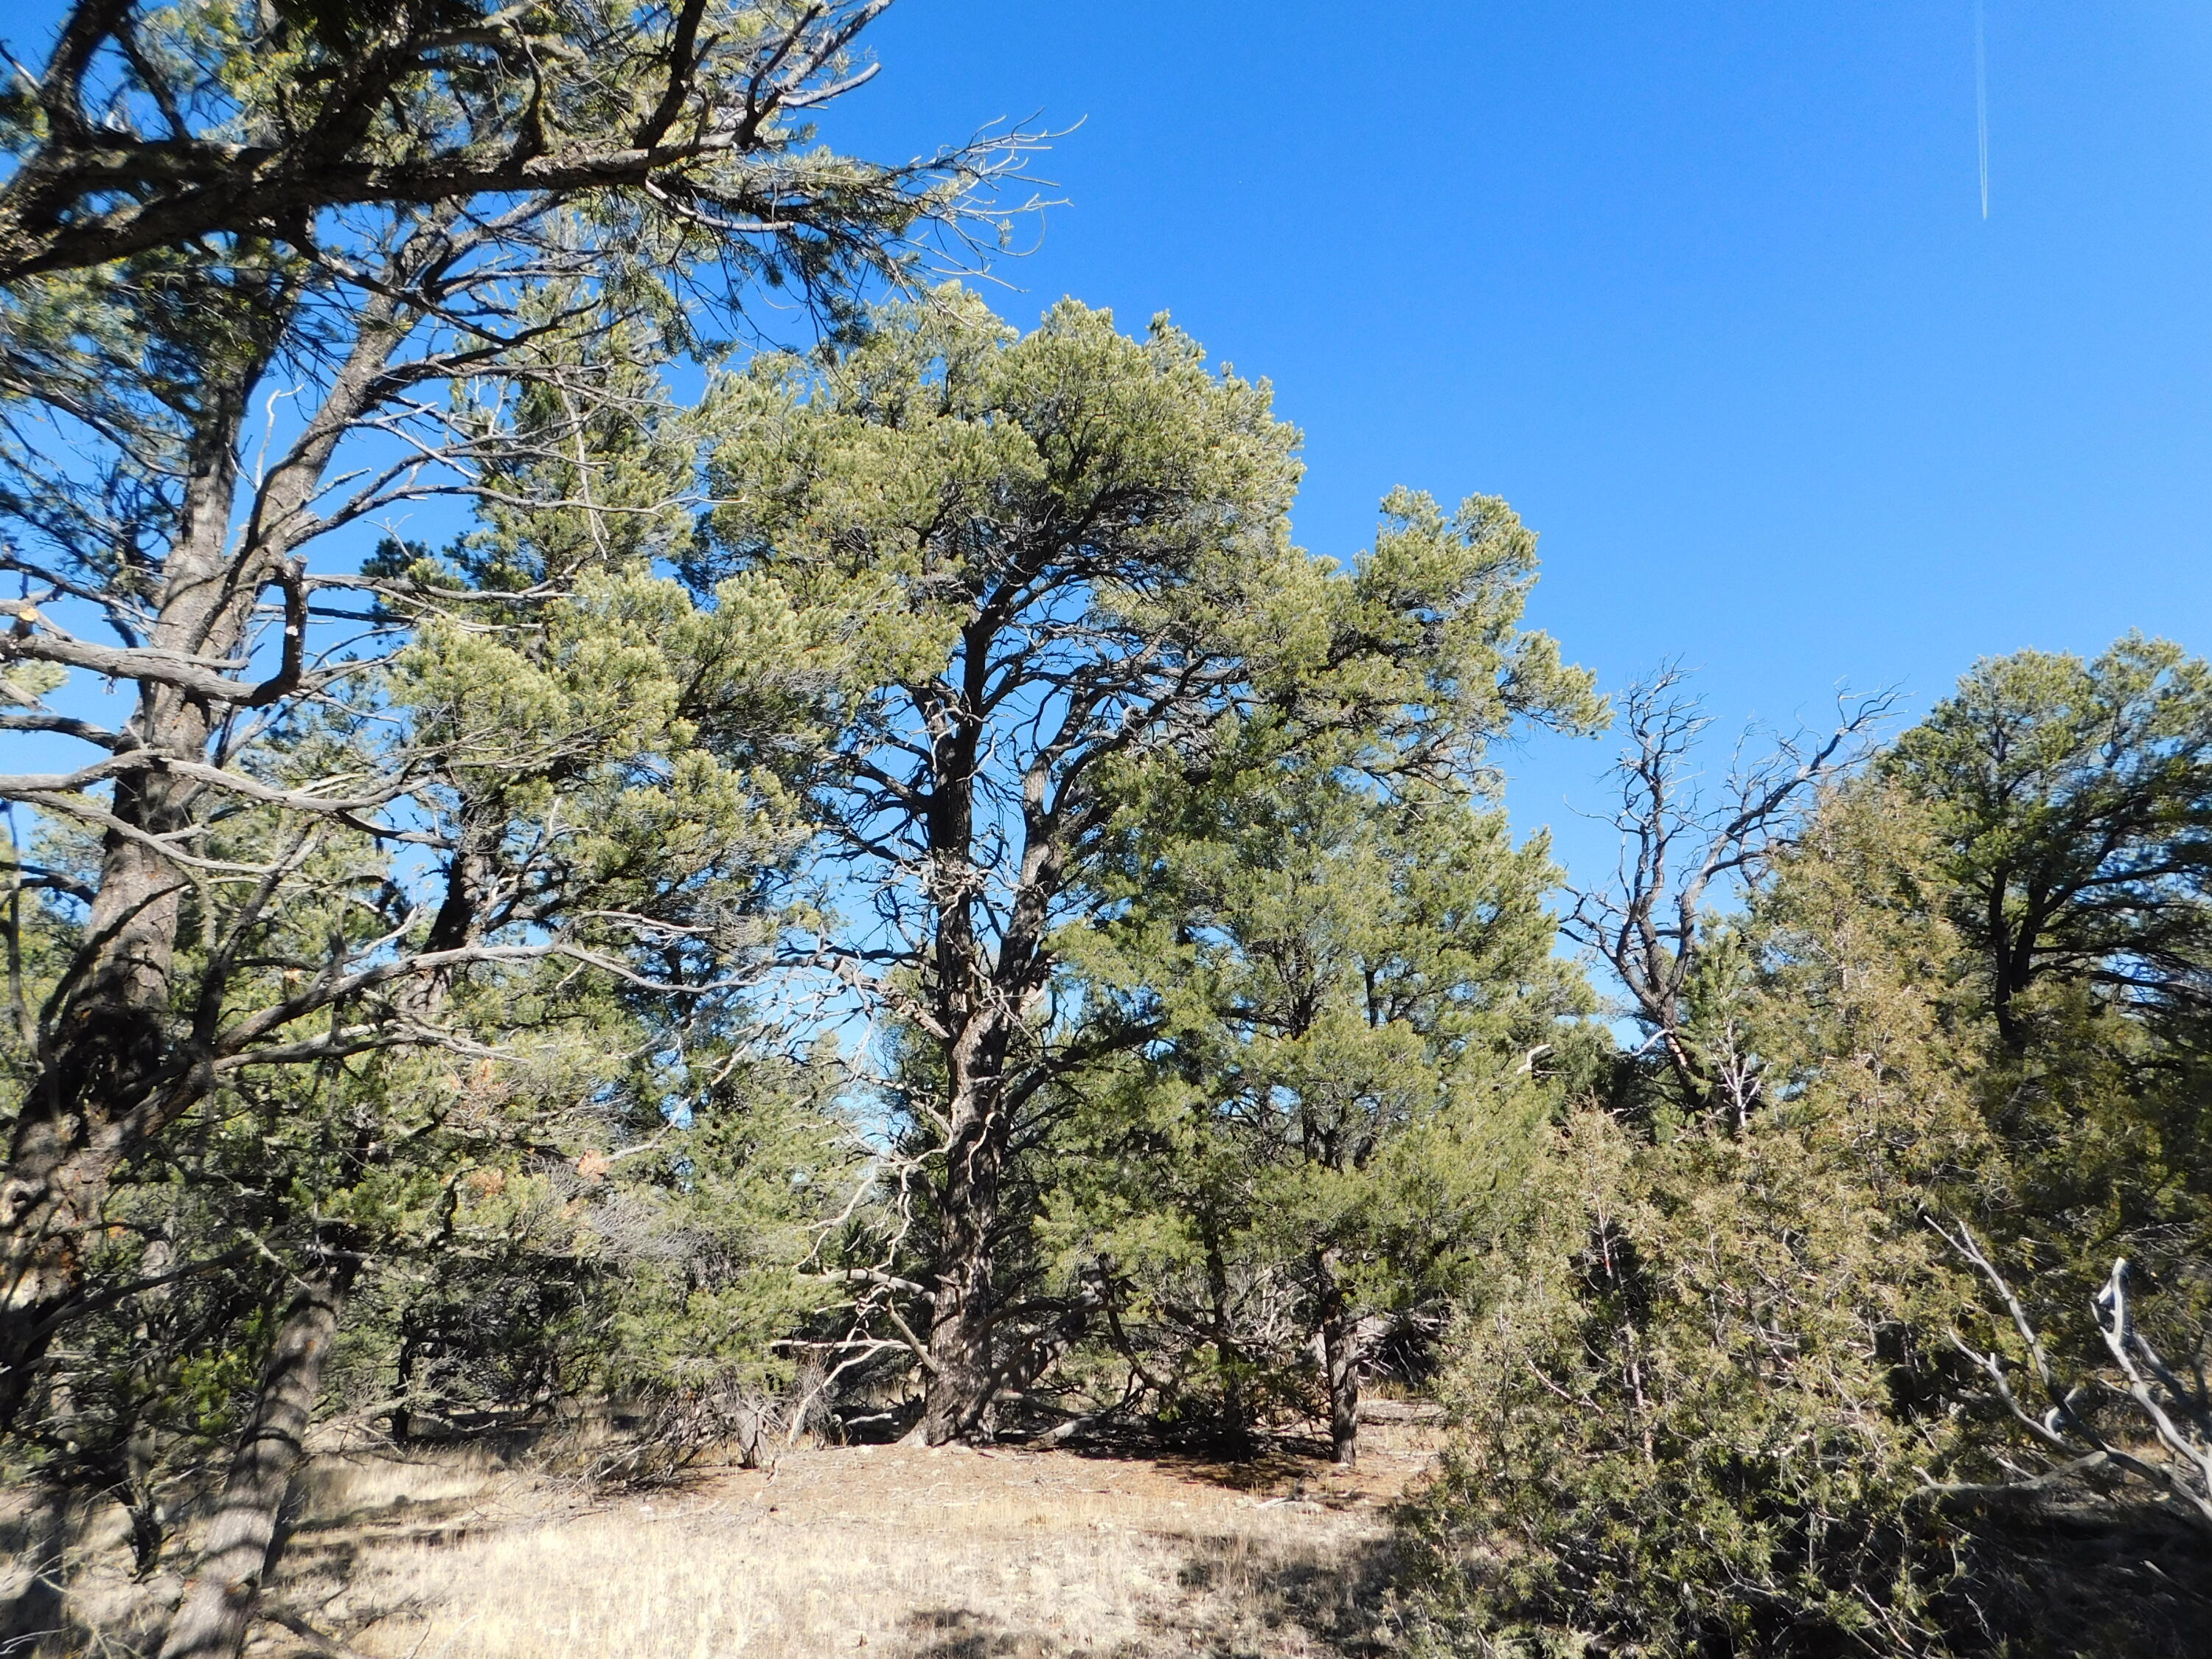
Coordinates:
157 128
1068 555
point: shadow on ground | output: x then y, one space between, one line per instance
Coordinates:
32 1536
1242 1604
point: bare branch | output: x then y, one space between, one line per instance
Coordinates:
1680 852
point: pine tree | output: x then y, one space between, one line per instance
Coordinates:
1356 1028
1070 551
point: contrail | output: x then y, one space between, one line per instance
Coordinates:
1981 98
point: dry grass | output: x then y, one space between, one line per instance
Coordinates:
904 1552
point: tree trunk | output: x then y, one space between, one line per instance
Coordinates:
87 1107
106 1062
403 1415
218 1611
52 1190
1340 1358
139 1488
959 1381
1235 1408
983 998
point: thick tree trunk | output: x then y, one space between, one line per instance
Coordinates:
983 998
959 1381
403 1415
99 1090
104 1078
218 1611
2011 951
53 1188
1340 1358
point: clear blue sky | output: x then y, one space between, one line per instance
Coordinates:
1703 288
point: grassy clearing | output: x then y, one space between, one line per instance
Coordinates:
899 1552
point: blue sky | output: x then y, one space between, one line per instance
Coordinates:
1704 289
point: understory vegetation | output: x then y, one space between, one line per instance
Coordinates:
859 887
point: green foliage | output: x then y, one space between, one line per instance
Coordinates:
1701 1399
1688 1439
2068 806
597 760
2073 802
1056 573
1723 1401
945 481
719 1238
679 133
1227 1055
1349 1027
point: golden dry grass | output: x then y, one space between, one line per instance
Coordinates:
890 1551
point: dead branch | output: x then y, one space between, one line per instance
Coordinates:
1683 851
2177 1417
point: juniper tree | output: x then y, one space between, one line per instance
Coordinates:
1812 1376
1703 1390
2068 803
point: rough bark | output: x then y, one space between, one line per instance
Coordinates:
1235 1408
972 1008
2008 960
959 1380
112 1070
107 1058
1339 1356
218 1611
403 1415
985 1000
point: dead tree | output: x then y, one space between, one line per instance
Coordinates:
1684 852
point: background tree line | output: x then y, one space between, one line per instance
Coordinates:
869 887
